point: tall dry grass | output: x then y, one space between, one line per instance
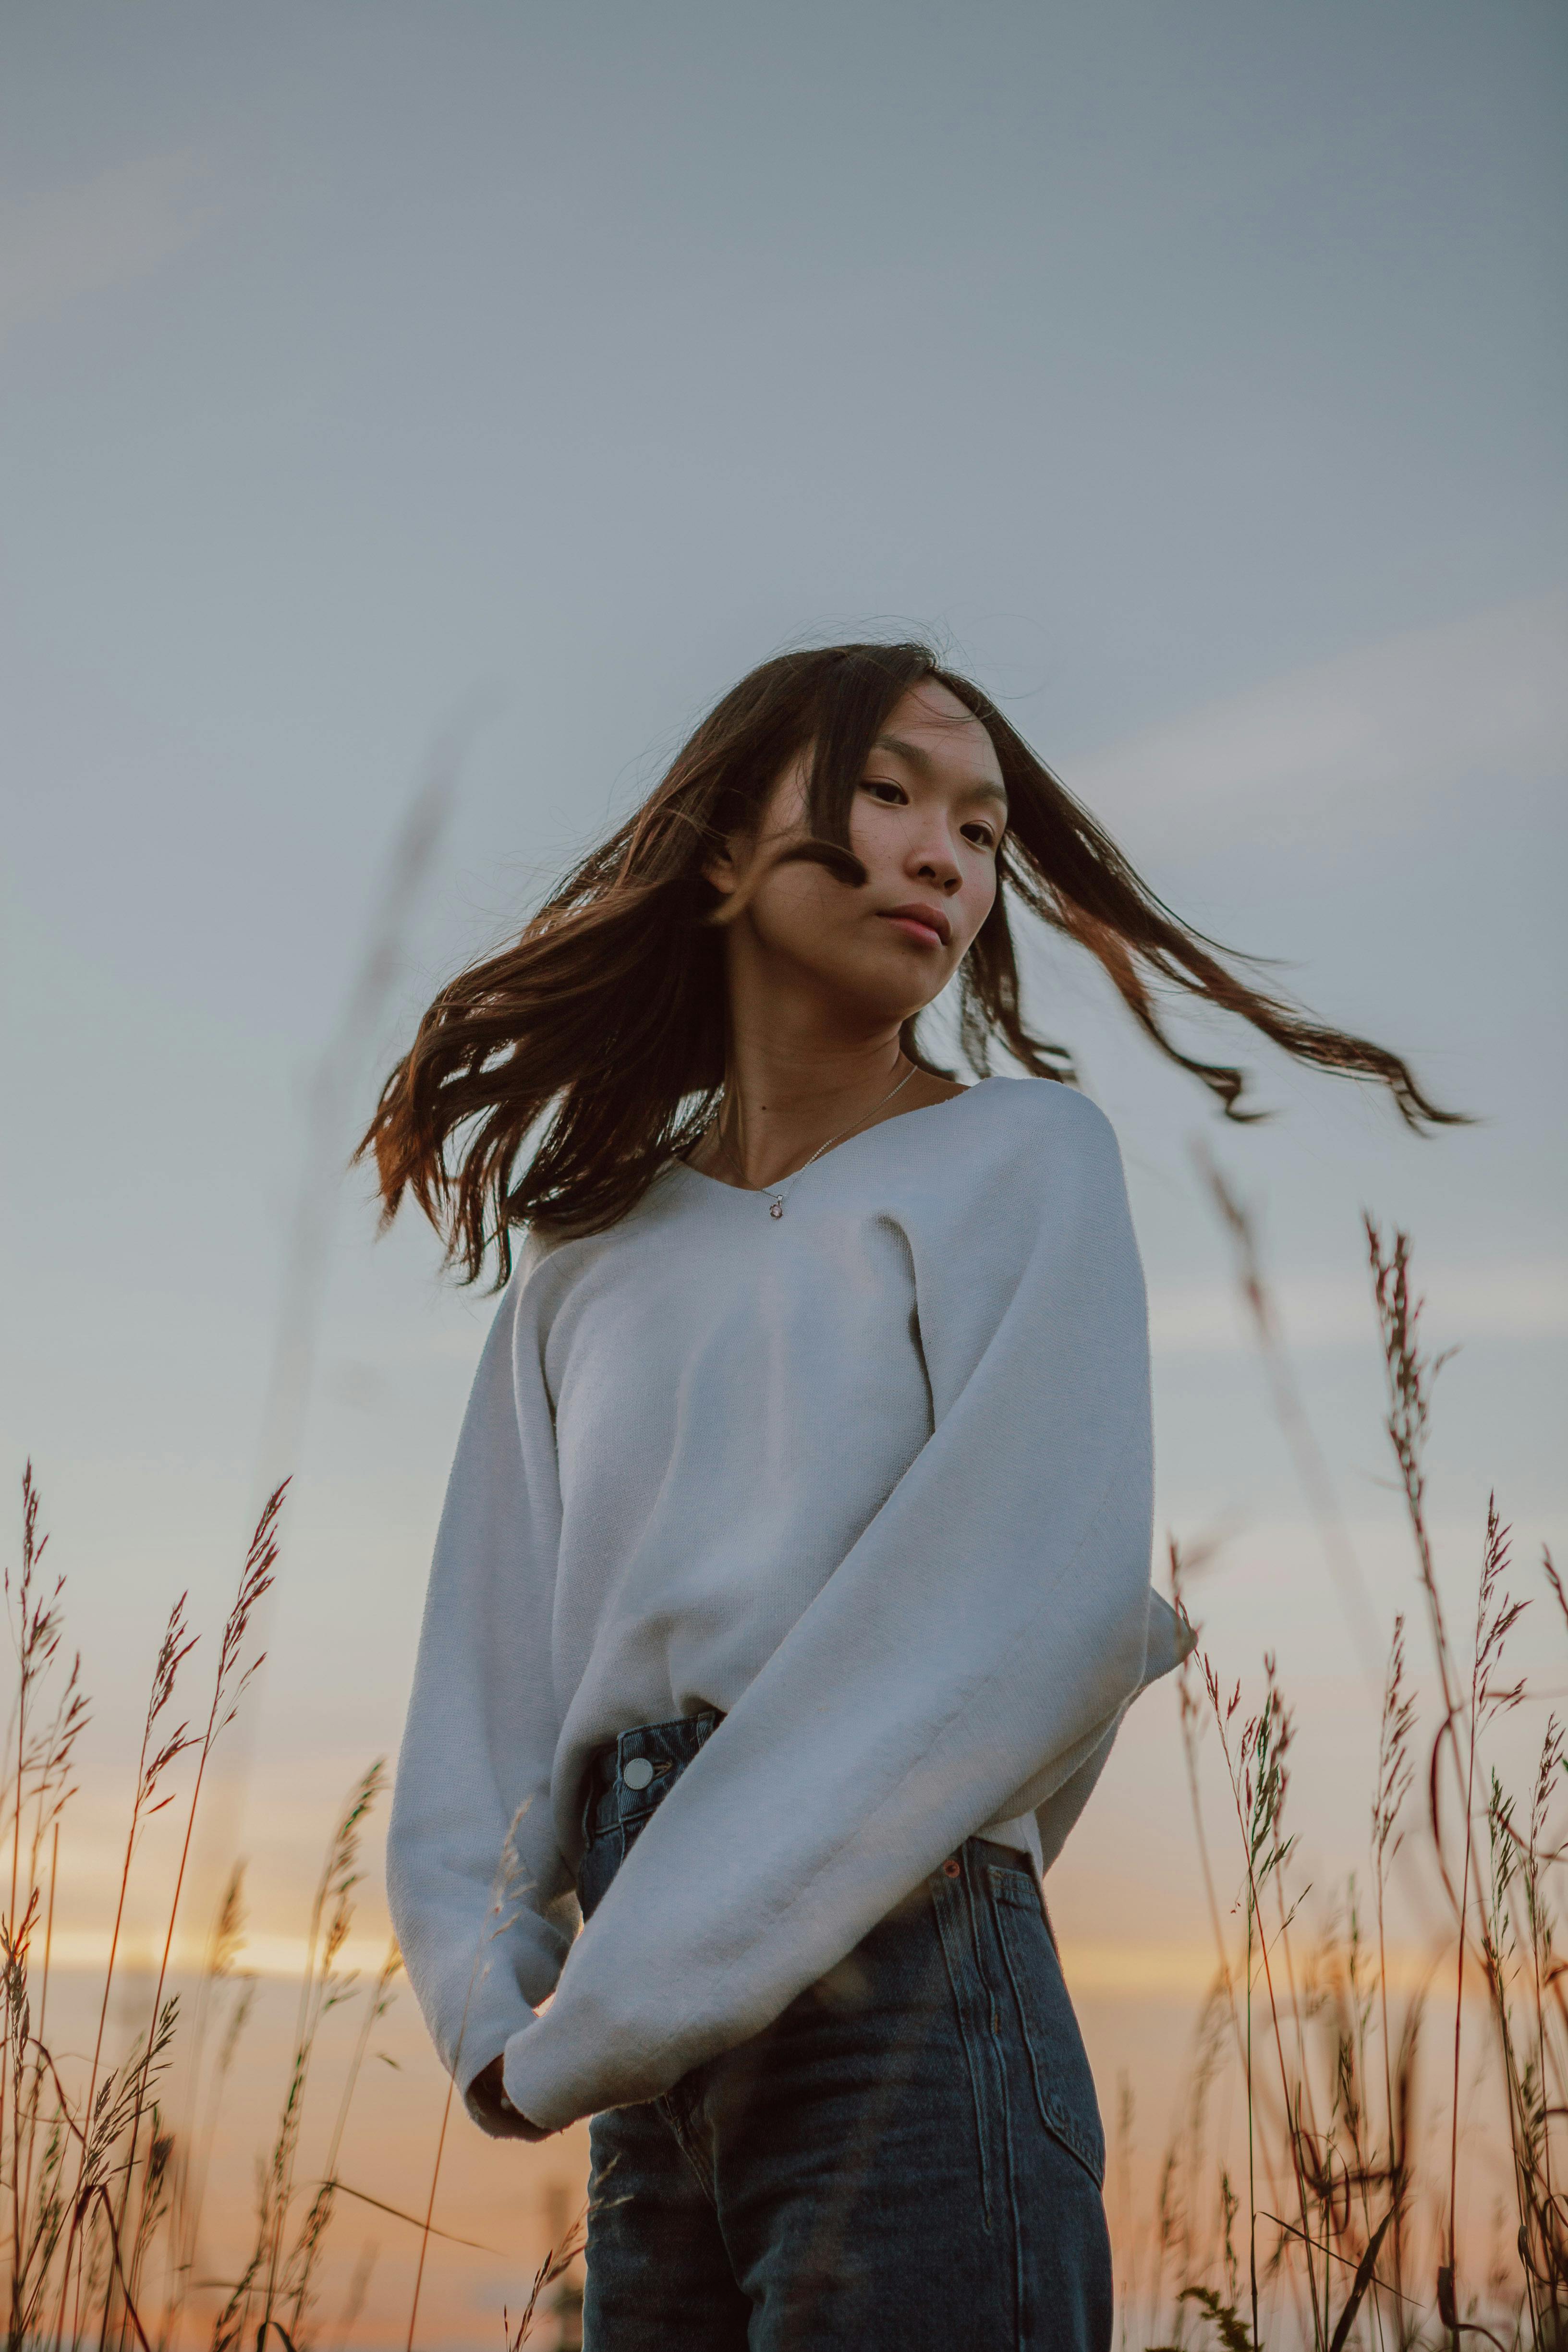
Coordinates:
1336 2221
1329 2217
101 2191
106 2157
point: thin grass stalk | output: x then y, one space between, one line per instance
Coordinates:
1396 1776
315 2230
1460 1969
1258 1836
1364 2145
1539 1924
29 1513
1241 2031
34 1648
320 1990
225 1941
95 2227
155 1757
316 1999
43 2001
152 2190
244 1996
1252 2125
51 1791
319 1993
1192 1720
43 1767
556 2262
1408 1374
1304 2073
1495 1620
36 1638
505 1887
1497 1933
1553 1995
229 1681
425 2233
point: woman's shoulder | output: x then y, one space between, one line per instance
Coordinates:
1007 1159
1016 1178
1033 1114
547 1257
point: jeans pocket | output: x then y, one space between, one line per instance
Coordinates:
1059 2063
681 2110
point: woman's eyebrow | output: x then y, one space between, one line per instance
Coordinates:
978 787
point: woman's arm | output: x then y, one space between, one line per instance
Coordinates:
978 1640
480 1892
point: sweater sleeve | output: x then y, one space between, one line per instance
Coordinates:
971 1654
479 1894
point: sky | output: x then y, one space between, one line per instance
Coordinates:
415 409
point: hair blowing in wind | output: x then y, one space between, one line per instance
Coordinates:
602 1026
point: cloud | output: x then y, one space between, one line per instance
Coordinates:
62 243
1367 738
1527 1301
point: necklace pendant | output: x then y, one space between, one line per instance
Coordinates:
777 1209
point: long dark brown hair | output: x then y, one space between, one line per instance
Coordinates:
604 1024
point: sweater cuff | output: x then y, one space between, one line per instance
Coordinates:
493 2010
529 2096
473 2015
473 2058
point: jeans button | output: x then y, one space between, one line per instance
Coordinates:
637 1773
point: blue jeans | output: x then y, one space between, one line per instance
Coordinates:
911 2156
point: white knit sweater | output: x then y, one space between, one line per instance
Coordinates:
873 1479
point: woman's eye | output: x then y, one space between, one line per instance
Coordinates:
891 795
981 836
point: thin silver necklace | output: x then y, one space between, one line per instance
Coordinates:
777 1196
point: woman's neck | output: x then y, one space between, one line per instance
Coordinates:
788 1095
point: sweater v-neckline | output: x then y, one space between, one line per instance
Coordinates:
760 1192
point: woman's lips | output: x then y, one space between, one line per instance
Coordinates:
928 929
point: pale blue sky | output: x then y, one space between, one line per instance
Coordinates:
1197 370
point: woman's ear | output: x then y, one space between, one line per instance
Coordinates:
739 868
737 873
726 867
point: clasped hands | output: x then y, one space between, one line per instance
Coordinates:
487 2092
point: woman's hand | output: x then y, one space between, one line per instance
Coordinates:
487 2096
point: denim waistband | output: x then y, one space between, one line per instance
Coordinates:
628 1779
630 1776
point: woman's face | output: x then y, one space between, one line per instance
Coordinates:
926 825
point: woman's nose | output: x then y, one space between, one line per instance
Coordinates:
934 862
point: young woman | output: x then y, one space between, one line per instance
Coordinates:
793 1575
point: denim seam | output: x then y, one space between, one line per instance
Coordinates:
1009 2164
667 2107
1055 2112
978 1876
985 2022
950 1933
